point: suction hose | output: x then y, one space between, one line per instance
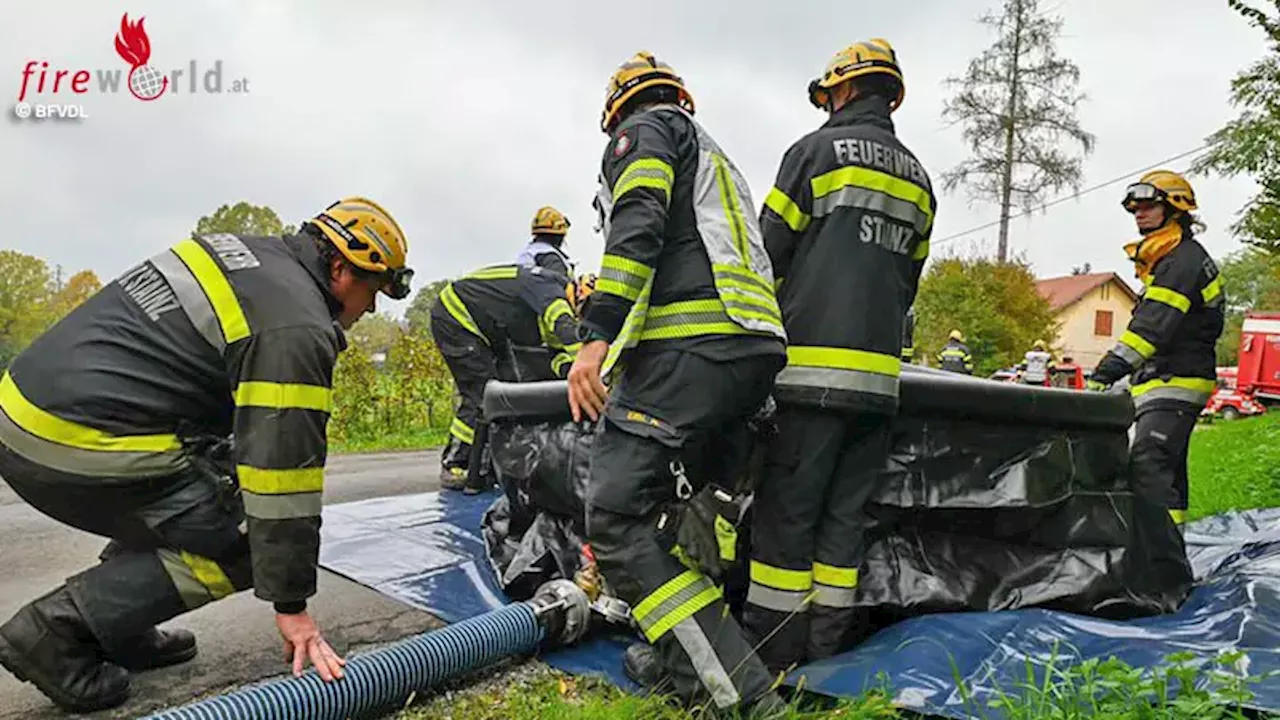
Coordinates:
382 678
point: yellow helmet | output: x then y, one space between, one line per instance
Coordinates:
1039 345
640 71
370 239
957 336
577 291
1161 186
860 59
549 221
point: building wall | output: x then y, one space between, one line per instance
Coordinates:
1077 337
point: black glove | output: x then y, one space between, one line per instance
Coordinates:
1111 368
707 531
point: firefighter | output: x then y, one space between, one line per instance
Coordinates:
955 356
109 423
1037 364
847 225
1168 347
685 299
486 325
550 228
908 336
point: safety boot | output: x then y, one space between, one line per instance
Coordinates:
155 648
48 644
453 478
640 662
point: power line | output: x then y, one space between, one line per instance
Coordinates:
1065 198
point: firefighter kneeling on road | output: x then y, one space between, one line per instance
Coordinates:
108 423
685 299
483 324
955 356
1168 347
847 226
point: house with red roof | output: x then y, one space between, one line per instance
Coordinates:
1093 310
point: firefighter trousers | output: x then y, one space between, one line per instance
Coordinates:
1158 455
472 363
807 533
666 402
175 544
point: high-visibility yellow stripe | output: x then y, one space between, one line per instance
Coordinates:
280 482
682 612
284 395
1138 343
50 427
557 309
844 359
781 578
1199 385
209 574
458 310
499 272
1172 298
835 576
665 592
462 431
922 251
732 208
1212 290
787 209
1178 516
216 288
645 172
869 179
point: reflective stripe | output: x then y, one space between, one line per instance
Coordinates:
848 380
746 289
922 251
560 360
198 580
835 576
1178 516
496 272
263 481
1172 298
691 318
213 282
787 209
1193 391
547 323
784 601
677 599
834 597
282 507
645 172
1212 293
781 578
90 463
707 663
192 299
843 359
868 189
733 215
1138 343
284 395
1128 354
462 431
622 277
453 304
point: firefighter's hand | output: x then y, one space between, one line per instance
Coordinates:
1096 386
587 393
302 639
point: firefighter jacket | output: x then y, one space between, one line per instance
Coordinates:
218 335
1168 346
1036 366
847 226
684 264
540 253
955 357
512 305
908 336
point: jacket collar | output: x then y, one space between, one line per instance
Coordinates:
873 110
304 250
1148 250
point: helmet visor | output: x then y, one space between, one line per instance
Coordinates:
1141 192
397 283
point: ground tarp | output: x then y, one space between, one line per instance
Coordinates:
427 550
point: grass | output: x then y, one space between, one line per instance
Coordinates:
413 439
1235 465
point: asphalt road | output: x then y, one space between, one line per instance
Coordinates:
237 636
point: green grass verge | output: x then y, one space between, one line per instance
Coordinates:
1235 465
416 439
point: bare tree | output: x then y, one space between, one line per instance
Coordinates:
1018 103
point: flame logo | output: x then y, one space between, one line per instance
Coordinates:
134 47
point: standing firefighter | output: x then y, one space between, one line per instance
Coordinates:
106 422
685 298
550 228
955 356
1169 344
847 226
1037 364
481 322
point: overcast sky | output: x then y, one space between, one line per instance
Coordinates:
463 118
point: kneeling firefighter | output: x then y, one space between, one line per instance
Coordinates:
955 356
116 421
487 325
1168 347
851 178
685 299
550 228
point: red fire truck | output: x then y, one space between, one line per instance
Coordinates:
1258 372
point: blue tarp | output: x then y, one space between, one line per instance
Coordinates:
427 551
